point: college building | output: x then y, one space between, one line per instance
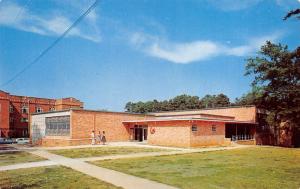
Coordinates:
205 127
15 111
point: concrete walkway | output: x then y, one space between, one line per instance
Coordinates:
27 165
114 177
110 144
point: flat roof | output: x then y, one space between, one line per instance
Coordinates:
87 110
189 119
50 112
195 113
104 111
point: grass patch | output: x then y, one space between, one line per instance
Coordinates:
102 151
9 158
257 167
49 177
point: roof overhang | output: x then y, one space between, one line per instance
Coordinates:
190 119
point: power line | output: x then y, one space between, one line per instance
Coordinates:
21 10
52 45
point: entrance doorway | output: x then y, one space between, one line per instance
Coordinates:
239 131
140 133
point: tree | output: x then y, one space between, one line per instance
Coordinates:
295 12
276 72
129 107
212 101
251 98
222 100
208 101
180 102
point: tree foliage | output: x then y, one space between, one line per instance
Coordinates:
295 12
276 73
181 102
251 98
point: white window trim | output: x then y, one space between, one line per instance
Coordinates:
26 109
11 109
38 110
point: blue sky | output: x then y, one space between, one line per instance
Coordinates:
138 50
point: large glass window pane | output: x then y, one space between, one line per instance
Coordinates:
58 126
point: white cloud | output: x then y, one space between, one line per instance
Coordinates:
50 25
184 52
200 50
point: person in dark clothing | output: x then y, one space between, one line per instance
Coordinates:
103 138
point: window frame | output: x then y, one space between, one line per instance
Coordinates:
11 109
194 128
58 126
24 109
24 120
214 128
38 109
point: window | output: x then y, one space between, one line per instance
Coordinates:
52 109
38 110
11 119
24 109
194 128
214 128
11 109
24 119
58 126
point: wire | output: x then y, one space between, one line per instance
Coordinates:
21 10
51 45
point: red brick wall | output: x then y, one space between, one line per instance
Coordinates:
4 114
84 121
204 136
169 133
178 133
18 127
239 113
11 124
67 103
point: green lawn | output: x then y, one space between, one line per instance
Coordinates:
49 177
102 151
256 167
8 158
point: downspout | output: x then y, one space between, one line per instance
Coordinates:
95 123
236 132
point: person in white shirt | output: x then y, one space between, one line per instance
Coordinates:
93 137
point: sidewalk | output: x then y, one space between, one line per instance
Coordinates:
114 177
27 165
110 144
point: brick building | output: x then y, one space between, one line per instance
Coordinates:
15 111
185 129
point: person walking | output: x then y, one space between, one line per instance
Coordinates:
103 138
93 137
99 137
